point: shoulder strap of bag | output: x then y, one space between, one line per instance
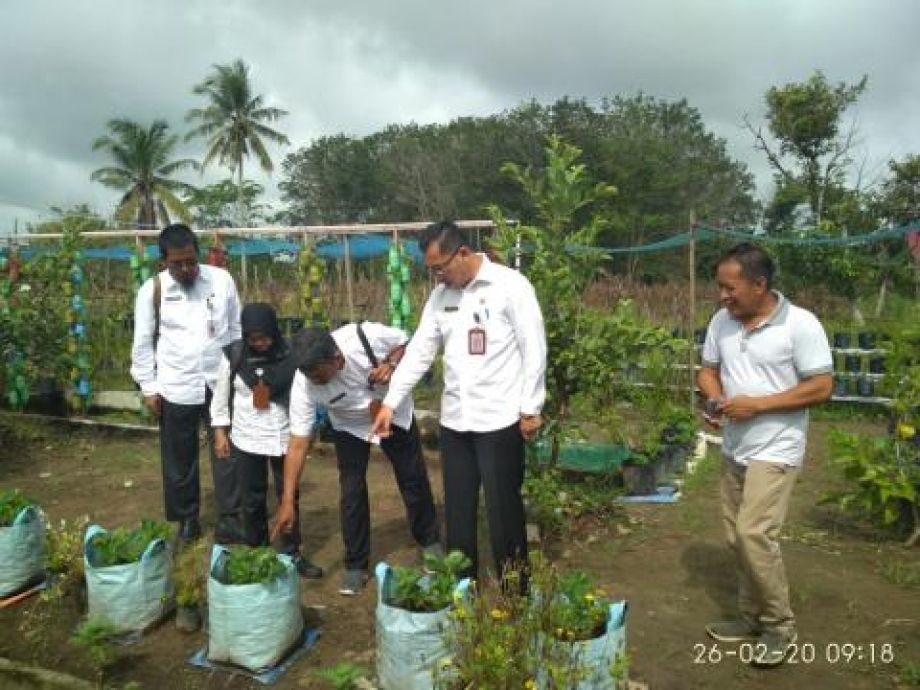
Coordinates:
367 346
157 293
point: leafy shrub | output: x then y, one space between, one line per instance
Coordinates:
501 637
418 591
554 500
343 676
579 610
249 565
11 503
190 574
95 637
123 545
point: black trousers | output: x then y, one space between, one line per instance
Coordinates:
404 451
252 471
179 426
495 460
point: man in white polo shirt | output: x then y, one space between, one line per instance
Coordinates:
487 319
765 361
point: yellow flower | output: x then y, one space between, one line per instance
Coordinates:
589 598
499 614
530 684
906 431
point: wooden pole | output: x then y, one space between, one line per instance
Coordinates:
348 285
245 279
691 268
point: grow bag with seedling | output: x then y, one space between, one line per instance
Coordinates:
603 657
128 575
412 613
22 543
254 616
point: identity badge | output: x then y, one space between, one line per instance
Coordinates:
477 341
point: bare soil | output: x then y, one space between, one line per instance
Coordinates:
669 561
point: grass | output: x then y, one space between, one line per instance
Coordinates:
902 572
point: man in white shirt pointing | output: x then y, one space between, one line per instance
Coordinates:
487 319
183 316
347 372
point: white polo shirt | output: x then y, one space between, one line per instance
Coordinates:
195 324
489 391
787 348
347 396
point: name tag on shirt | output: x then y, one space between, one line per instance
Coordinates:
261 396
477 341
449 309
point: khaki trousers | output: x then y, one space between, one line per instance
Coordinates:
754 504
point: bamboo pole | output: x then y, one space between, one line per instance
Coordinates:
375 228
691 267
349 290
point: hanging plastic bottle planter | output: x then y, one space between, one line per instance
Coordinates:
18 390
399 275
81 389
312 270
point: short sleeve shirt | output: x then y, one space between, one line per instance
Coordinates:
786 349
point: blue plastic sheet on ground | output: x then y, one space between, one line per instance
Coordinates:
665 494
267 677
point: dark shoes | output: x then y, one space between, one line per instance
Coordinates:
189 530
772 647
736 630
353 582
306 569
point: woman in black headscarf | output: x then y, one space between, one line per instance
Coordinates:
251 401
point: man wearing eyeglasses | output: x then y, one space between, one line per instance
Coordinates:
183 316
487 320
765 362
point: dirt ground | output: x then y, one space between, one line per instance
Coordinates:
669 561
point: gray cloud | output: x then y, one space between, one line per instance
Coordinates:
355 66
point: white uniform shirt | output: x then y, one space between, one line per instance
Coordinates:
787 348
347 396
489 391
195 323
260 432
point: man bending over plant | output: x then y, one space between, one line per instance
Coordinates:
347 371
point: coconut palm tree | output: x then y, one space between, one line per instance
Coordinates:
143 170
234 121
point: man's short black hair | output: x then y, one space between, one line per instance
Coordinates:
446 234
312 348
754 261
176 236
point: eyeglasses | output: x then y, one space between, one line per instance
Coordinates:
441 267
187 264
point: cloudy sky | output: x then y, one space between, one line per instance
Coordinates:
353 66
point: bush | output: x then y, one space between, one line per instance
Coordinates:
417 591
123 545
11 503
249 565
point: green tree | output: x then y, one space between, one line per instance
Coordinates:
335 179
666 165
899 199
143 170
812 149
214 205
558 192
234 122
